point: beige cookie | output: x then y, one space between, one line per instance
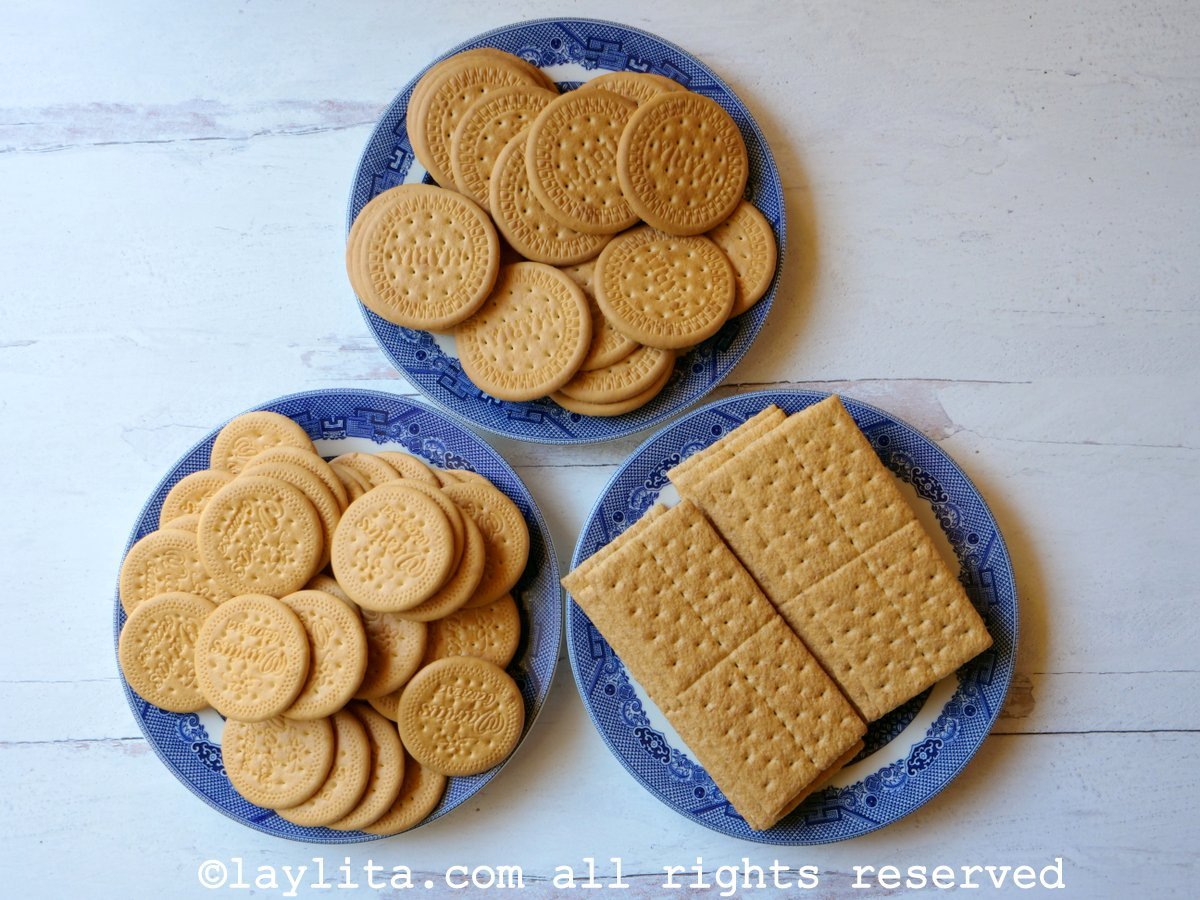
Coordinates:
330 586
456 475
386 775
608 345
505 537
530 337
572 160
422 256
420 794
252 658
636 86
662 290
633 375
748 241
187 523
376 471
394 548
279 762
527 226
157 650
313 489
354 484
620 407
490 632
188 495
387 704
461 716
260 535
395 648
250 434
486 127
408 466
313 463
463 584
682 163
446 505
346 782
163 562
337 653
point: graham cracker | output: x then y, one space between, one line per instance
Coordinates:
812 512
700 464
734 681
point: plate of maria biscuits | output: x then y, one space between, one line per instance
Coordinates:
338 616
566 231
792 617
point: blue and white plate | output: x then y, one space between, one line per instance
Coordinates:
571 51
911 753
339 421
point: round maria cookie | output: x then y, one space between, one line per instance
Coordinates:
260 535
354 484
486 127
376 471
636 86
490 632
462 585
748 240
633 375
347 779
531 335
461 716
571 157
620 407
420 794
189 494
157 650
313 489
162 562
252 657
386 774
662 290
395 648
310 462
187 523
453 514
394 548
682 163
408 466
505 537
330 586
526 224
250 434
279 762
422 256
608 345
337 657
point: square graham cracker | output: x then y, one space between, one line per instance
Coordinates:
731 677
810 510
703 462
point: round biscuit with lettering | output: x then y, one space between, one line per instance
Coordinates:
620 407
662 290
571 158
312 487
188 495
338 653
526 224
395 648
346 782
408 466
453 514
166 561
376 471
682 163
310 462
260 535
460 715
394 548
637 86
505 537
531 335
279 762
608 345
386 774
422 256
748 241
252 657
633 375
420 793
249 434
157 650
462 585
490 632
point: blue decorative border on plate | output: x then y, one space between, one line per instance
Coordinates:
592 45
182 742
913 774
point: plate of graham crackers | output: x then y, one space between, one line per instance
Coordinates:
337 616
566 231
792 617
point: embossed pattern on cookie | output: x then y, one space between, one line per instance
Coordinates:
490 632
486 128
188 495
249 434
279 762
634 374
636 86
395 647
420 794
338 653
747 239
346 782
505 537
157 650
608 345
386 775
165 561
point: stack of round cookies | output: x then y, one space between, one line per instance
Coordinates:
577 242
351 619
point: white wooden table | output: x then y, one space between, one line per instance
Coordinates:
995 235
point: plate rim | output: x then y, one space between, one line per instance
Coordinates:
573 609
349 837
658 420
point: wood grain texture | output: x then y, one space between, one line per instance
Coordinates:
993 235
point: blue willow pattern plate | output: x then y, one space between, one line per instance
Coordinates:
571 51
339 421
912 752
